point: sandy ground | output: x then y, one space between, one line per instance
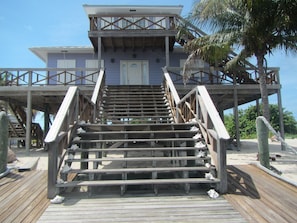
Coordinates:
285 161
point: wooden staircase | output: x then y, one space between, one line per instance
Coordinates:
136 146
17 127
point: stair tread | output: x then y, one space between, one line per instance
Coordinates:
123 149
148 158
139 125
148 169
134 139
140 132
136 182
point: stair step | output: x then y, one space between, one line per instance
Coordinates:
137 109
138 182
135 93
131 159
124 127
125 105
138 112
135 140
139 149
157 132
140 170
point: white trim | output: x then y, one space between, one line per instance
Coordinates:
132 10
42 52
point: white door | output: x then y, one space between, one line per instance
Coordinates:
69 76
91 76
134 72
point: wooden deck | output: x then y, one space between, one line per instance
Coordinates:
254 196
23 196
259 197
143 209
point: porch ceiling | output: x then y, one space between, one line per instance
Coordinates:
122 43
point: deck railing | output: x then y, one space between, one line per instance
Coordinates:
48 76
198 106
209 76
135 22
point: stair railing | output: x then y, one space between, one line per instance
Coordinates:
98 93
75 107
198 106
171 94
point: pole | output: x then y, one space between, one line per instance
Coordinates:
3 143
263 146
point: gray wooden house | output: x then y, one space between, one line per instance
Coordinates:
123 116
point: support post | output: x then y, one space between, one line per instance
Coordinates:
236 117
263 146
29 115
52 169
167 51
46 119
3 143
222 171
281 115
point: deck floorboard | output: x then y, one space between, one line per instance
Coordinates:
253 196
23 196
260 197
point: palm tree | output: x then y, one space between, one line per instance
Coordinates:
255 27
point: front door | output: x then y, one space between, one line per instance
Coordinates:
134 72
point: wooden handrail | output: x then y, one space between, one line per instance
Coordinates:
170 90
61 115
74 107
198 106
98 86
213 113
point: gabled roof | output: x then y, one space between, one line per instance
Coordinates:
42 52
106 10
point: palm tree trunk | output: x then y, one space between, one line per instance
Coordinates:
262 130
263 87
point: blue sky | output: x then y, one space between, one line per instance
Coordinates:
33 23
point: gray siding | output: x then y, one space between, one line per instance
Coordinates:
112 60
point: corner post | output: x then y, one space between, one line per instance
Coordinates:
52 169
29 114
3 143
222 170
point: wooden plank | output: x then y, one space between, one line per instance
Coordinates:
140 132
132 140
30 165
143 209
260 197
23 196
141 170
137 182
122 149
161 158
